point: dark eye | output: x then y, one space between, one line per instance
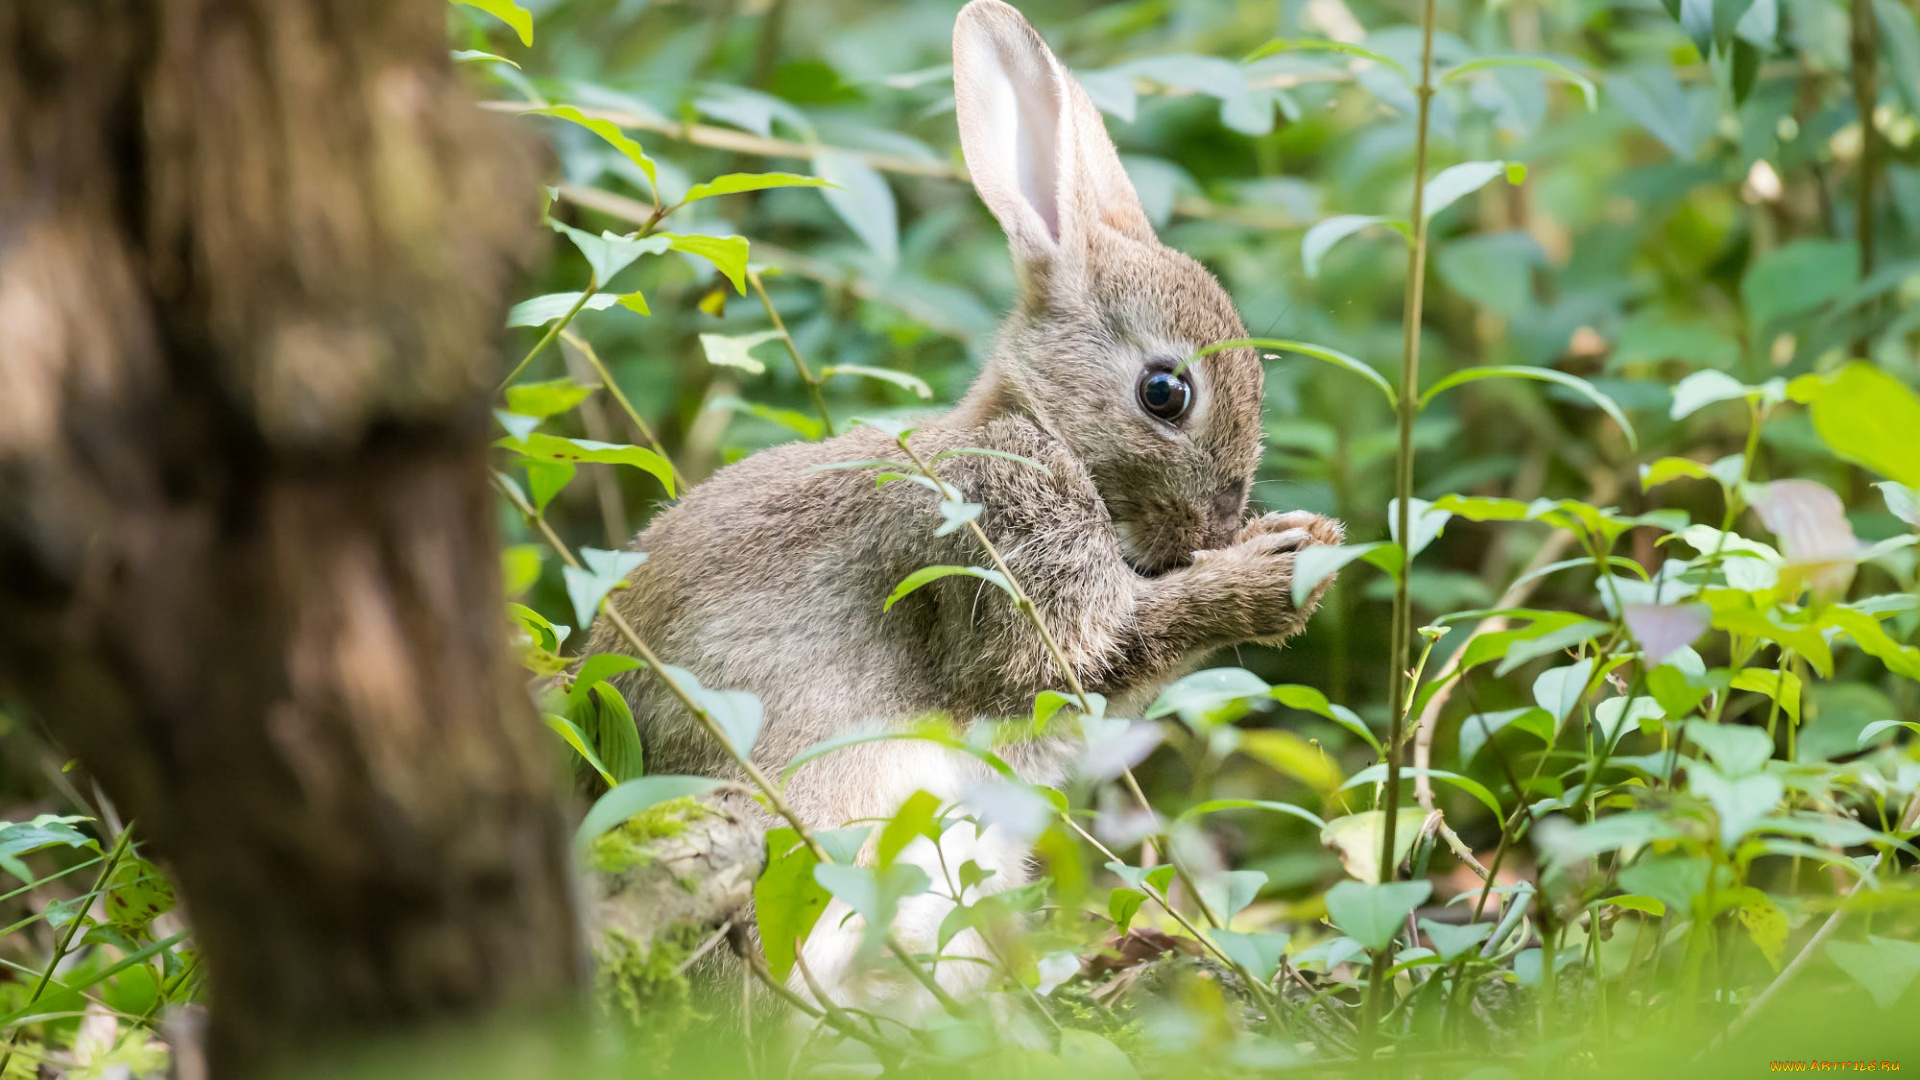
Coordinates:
1165 394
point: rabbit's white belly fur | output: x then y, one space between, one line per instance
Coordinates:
832 951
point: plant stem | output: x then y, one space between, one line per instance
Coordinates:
546 339
65 941
1025 605
633 414
1407 406
799 362
768 791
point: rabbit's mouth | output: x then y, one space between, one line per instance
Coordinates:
1156 545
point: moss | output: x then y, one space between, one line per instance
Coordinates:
643 990
630 844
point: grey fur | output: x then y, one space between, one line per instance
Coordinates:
770 576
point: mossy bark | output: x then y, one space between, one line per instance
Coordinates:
254 255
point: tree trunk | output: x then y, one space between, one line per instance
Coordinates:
253 259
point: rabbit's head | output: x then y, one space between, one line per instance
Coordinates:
1108 315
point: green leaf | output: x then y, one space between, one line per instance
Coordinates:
1741 804
571 734
602 715
1782 686
728 254
928 574
27 837
1704 388
787 900
1559 690
1260 954
1318 352
1215 806
1464 179
137 894
542 310
625 800
609 253
956 515
1797 278
607 130
1312 565
1453 942
1886 967
738 712
1478 730
1867 417
1376 774
1228 894
1308 699
799 423
1561 378
735 183
1357 839
919 815
874 893
860 196
736 350
1291 755
1122 905
598 668
507 12
469 56
898 378
543 447
1900 38
1867 633
1668 469
605 571
1280 45
1902 501
1427 521
545 479
1538 63
1321 238
544 399
1873 730
1374 914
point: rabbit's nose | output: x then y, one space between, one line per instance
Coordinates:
1228 506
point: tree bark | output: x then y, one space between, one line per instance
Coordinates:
253 259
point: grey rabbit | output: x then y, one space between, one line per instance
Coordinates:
1134 543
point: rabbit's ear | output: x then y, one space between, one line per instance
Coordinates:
1034 143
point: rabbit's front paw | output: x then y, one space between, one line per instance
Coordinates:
1291 530
1273 540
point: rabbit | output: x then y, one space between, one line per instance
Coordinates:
1134 543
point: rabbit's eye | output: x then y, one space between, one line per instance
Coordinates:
1165 394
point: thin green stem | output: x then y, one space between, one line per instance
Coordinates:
799 362
1407 407
546 339
1028 609
65 941
768 790
633 415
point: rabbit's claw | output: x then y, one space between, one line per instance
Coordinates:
1291 530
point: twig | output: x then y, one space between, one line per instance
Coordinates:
1793 966
741 142
633 415
770 793
793 350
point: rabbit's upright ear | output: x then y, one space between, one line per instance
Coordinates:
1034 142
